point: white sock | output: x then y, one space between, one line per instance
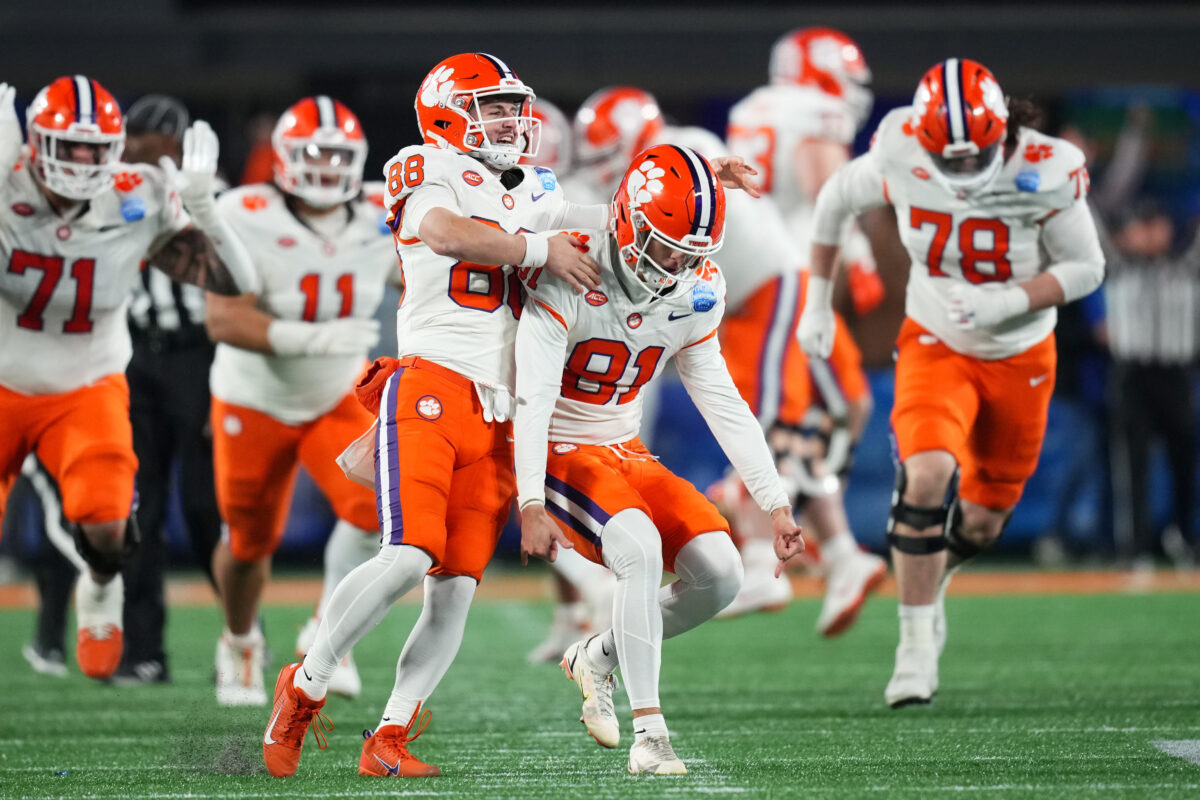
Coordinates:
837 548
633 551
710 575
347 547
360 602
649 725
243 640
916 624
602 650
431 646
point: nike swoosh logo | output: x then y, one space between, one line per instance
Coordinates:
107 228
571 665
536 197
1038 380
267 737
603 649
674 315
639 733
393 770
302 669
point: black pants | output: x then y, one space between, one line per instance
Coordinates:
169 407
1149 402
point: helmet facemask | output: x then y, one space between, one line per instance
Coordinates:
499 155
967 169
323 170
661 279
69 178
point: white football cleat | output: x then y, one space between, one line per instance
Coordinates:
240 673
597 687
346 681
846 589
569 625
915 679
49 662
654 756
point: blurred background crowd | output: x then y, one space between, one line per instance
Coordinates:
1117 482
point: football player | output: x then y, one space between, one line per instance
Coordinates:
994 217
75 227
583 589
764 290
584 478
287 359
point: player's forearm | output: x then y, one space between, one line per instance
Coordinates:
588 217
539 358
236 321
454 236
1077 260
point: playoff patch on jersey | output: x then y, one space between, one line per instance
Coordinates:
133 209
703 297
1028 180
546 177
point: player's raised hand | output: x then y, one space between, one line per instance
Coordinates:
199 169
567 259
788 539
540 535
734 173
10 128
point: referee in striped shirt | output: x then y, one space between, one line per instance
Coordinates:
1153 328
169 407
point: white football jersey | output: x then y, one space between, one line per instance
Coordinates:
993 236
586 358
306 273
65 284
617 341
767 126
757 245
458 314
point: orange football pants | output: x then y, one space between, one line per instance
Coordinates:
765 361
443 477
84 439
991 415
587 484
255 460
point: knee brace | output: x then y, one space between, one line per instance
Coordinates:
107 563
921 517
959 545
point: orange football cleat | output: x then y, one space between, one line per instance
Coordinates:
385 752
98 610
98 651
291 715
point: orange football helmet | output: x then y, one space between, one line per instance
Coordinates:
960 118
827 59
610 127
73 112
448 112
552 140
320 152
669 195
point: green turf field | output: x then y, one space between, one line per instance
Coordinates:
1040 697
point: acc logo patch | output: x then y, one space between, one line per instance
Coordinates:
703 297
596 298
508 201
132 209
472 177
562 448
546 177
634 320
429 407
285 241
921 173
254 202
22 209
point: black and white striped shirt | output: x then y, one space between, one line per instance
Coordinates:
1153 308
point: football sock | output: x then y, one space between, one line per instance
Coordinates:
359 602
347 547
649 725
432 644
916 624
633 551
838 548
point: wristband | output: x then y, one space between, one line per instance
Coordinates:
537 250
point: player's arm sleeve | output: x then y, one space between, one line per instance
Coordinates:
854 188
593 216
1076 259
541 352
706 378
